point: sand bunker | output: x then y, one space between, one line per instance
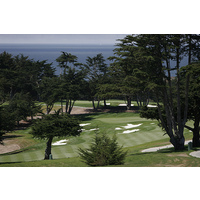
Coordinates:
61 142
108 104
94 129
85 124
130 131
131 126
128 126
152 106
124 104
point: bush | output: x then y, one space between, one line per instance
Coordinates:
103 151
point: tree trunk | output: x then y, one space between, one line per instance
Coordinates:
49 108
104 100
98 103
71 105
61 105
128 103
93 104
178 143
66 107
190 50
48 148
195 139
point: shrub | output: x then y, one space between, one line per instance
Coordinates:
103 151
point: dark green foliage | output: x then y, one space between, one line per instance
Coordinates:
22 106
103 151
193 98
65 59
149 113
55 125
71 80
49 92
71 86
7 120
129 71
97 76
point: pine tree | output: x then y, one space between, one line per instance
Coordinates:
103 151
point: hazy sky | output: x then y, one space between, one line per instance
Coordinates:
61 38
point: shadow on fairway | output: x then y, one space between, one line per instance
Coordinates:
10 136
87 117
121 109
9 163
172 150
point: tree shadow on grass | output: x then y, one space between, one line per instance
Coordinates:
172 150
87 117
121 109
10 136
9 163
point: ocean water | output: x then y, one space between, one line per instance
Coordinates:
50 52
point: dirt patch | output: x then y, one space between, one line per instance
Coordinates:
167 165
81 110
7 146
181 155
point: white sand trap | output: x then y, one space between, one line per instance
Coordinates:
130 131
94 129
118 128
131 126
152 106
124 104
61 142
108 104
85 124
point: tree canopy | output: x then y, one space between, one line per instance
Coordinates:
55 125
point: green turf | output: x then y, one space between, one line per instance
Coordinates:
106 122
135 158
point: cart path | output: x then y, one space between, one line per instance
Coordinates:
154 149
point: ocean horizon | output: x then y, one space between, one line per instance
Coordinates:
51 52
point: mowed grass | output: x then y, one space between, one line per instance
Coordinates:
67 155
135 158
